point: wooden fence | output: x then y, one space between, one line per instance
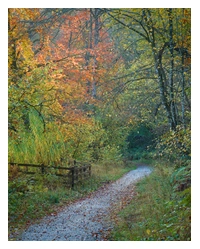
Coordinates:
71 175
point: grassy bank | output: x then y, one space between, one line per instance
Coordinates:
160 210
30 200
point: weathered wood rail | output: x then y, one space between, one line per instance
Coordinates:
74 174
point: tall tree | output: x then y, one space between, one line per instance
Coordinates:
156 29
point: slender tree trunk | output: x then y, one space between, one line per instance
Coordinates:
96 41
90 30
171 72
162 86
70 37
88 45
169 106
183 93
96 28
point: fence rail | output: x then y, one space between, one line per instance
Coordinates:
75 174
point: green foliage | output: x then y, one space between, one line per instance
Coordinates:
155 45
110 134
49 144
175 145
36 146
181 178
30 198
54 118
140 137
158 212
141 142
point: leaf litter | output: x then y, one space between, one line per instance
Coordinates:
88 219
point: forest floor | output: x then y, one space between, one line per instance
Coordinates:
90 218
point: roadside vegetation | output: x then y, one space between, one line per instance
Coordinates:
161 208
31 198
111 87
160 211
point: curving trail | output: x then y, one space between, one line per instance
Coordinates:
88 219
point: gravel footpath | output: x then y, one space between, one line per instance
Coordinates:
88 219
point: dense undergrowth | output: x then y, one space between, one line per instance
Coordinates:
31 198
80 90
160 210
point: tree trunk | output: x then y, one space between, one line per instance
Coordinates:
162 87
96 41
88 45
171 72
183 93
70 37
168 105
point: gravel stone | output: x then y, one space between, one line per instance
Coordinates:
87 219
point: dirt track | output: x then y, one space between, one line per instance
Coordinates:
88 219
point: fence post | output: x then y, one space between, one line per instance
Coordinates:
72 177
89 169
42 168
77 173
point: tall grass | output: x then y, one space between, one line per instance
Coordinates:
33 145
56 144
157 212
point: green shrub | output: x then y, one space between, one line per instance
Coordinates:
159 211
175 146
